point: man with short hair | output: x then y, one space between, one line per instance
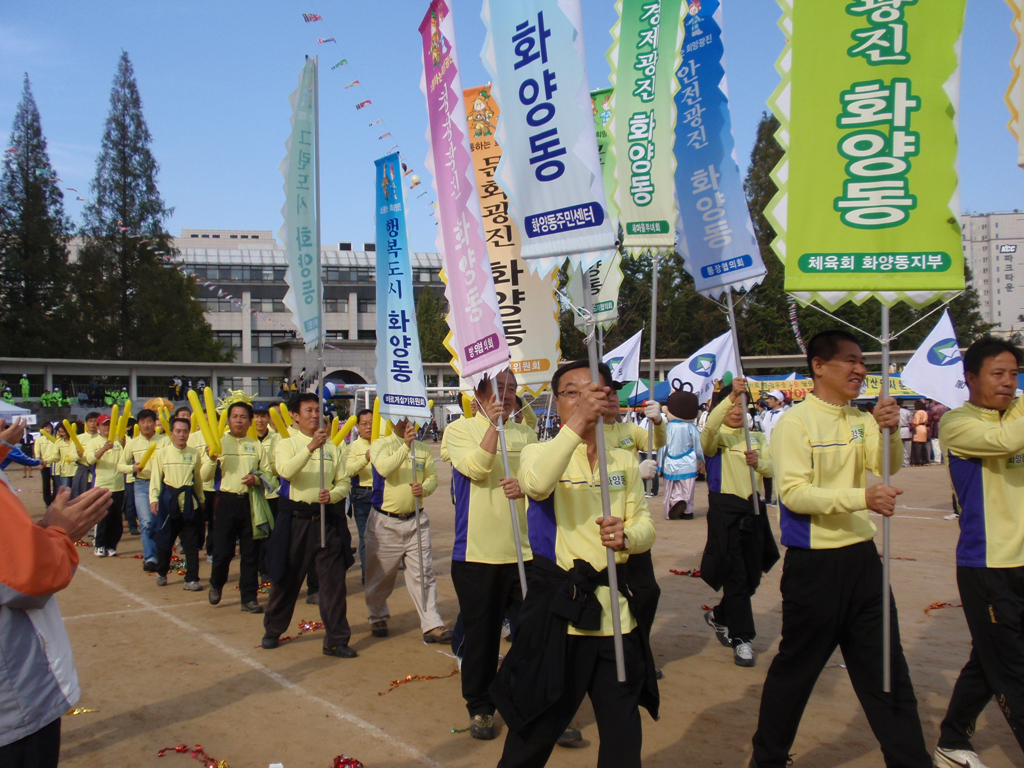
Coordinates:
268 440
832 578
133 452
83 472
564 647
235 470
103 456
391 538
485 568
984 444
175 499
361 476
295 544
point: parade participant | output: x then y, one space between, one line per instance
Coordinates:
776 407
984 444
563 646
683 456
484 563
24 386
361 475
130 515
133 453
740 547
197 441
66 456
295 544
832 579
83 470
268 442
235 470
45 451
391 538
103 456
175 496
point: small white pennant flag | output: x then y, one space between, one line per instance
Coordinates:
624 360
936 370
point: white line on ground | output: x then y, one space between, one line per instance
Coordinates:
278 678
127 610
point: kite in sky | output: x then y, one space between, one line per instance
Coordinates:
383 136
308 17
322 40
362 104
354 82
378 120
341 63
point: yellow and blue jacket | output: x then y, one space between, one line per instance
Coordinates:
392 474
724 448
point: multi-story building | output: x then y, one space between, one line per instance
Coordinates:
994 250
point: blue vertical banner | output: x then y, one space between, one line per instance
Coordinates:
401 386
300 233
550 168
716 237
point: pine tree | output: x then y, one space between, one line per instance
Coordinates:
132 305
34 232
433 327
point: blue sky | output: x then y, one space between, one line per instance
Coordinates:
215 79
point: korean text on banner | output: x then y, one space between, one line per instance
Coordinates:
526 300
716 236
301 232
868 189
644 58
936 370
705 366
400 384
603 280
473 315
1015 93
602 105
549 167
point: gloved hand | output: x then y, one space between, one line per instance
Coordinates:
653 411
648 469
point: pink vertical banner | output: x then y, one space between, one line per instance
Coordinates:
478 337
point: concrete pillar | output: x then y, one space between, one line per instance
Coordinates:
213 383
133 386
353 315
247 321
48 378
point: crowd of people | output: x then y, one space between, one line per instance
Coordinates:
279 496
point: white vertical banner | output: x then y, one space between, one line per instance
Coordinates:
936 370
603 279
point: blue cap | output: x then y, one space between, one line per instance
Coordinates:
261 406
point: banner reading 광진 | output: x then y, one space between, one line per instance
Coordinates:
868 189
473 317
645 55
716 237
529 310
549 168
300 233
400 384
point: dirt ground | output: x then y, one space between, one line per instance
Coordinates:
162 667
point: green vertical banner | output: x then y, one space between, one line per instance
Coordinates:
645 53
868 188
602 103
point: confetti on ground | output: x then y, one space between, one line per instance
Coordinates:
936 606
304 627
694 572
411 678
198 753
346 762
459 730
79 711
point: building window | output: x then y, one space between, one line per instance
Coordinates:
230 340
337 335
370 335
368 306
336 305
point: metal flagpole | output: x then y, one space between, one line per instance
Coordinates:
606 502
547 428
654 340
600 342
886 449
319 289
743 397
419 531
512 502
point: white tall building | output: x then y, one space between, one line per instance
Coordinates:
994 250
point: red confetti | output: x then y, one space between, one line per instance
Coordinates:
346 762
198 753
706 608
936 606
304 627
411 678
137 557
695 572
81 543
892 557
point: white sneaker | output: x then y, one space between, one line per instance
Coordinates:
100 552
111 552
743 655
956 758
951 516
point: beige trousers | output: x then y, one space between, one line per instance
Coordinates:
388 542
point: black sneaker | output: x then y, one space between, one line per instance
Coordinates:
313 598
341 651
133 531
379 629
252 607
149 566
214 596
269 642
721 632
482 727
571 737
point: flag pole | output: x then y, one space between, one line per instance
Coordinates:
606 503
743 397
419 531
654 340
319 290
886 449
511 502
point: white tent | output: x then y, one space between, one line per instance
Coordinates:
9 412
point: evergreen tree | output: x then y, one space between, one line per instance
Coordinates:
133 306
34 232
433 327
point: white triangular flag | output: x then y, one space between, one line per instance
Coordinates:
936 370
705 366
624 360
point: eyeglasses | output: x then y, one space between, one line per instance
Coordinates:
569 394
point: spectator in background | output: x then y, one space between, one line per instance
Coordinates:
38 682
919 450
906 421
935 412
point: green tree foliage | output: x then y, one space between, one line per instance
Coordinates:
131 305
34 232
433 327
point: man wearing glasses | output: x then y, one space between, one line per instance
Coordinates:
564 647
